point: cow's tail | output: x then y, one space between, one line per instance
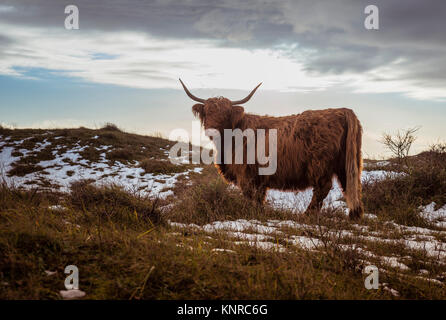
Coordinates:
353 165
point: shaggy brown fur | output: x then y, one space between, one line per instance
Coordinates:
312 147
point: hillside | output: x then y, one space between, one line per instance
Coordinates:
138 226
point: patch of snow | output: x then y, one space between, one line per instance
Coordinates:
57 207
389 261
239 226
430 280
6 160
223 250
414 230
306 242
248 236
393 292
383 163
72 294
423 272
394 263
165 194
262 245
371 216
299 201
41 145
437 217
431 247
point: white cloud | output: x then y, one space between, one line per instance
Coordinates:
61 124
134 59
6 8
144 62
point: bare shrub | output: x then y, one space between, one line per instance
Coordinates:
438 148
400 143
111 127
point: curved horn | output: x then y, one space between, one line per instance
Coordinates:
247 97
191 95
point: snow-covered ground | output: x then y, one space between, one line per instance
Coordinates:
62 173
299 201
264 235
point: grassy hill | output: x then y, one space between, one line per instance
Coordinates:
139 227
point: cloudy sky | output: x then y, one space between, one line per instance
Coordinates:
123 63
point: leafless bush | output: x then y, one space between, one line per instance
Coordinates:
438 148
111 127
400 144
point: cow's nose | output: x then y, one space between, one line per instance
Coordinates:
211 132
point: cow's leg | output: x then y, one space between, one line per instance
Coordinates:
260 194
342 178
254 193
320 192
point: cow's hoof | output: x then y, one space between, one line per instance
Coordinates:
312 212
356 214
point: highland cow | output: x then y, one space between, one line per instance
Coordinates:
312 147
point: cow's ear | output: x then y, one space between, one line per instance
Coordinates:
237 115
198 111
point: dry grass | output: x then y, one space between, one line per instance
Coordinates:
112 202
215 200
91 154
121 154
114 238
161 167
21 170
115 249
